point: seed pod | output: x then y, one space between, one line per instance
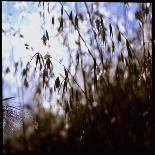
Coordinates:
53 20
95 34
98 24
37 59
119 37
95 80
80 16
61 10
26 84
94 65
40 66
65 86
57 82
122 58
47 35
71 16
103 37
76 21
102 23
16 65
44 75
95 77
48 9
66 73
7 70
48 62
38 90
126 61
26 45
24 72
111 33
46 82
44 40
46 72
113 46
77 58
61 23
128 48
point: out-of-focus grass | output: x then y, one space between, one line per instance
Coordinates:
111 113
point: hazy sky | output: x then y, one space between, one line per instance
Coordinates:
24 17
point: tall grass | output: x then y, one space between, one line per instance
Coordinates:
112 111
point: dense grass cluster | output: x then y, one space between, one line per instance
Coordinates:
113 112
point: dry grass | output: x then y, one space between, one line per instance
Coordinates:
109 114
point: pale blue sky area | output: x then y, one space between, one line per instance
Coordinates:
24 16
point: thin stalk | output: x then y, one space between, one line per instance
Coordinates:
82 68
79 33
116 25
67 70
91 23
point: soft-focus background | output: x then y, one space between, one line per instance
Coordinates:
23 18
84 54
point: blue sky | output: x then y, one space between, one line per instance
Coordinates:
24 16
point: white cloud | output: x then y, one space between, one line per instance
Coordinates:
130 16
3 16
30 28
105 11
6 26
20 5
121 26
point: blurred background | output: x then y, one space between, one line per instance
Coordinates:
94 50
